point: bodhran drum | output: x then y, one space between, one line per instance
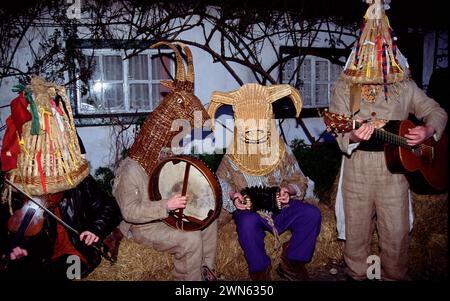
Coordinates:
187 175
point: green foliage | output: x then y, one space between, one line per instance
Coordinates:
321 162
212 160
104 177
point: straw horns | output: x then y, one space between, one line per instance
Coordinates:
181 71
259 96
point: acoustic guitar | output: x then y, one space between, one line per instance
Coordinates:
425 165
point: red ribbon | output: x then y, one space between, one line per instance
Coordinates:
10 147
58 109
41 171
380 51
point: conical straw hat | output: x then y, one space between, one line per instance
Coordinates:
50 160
376 59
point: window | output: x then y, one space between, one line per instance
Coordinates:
121 85
316 76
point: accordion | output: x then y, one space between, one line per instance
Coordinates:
262 198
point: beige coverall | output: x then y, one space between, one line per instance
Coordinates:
372 195
191 250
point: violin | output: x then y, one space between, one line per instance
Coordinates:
31 216
28 221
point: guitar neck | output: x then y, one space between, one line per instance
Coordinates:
388 137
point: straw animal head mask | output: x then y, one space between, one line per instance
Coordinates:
254 124
181 97
180 103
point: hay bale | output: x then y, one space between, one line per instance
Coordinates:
428 258
138 262
428 252
329 250
135 262
230 261
437 258
328 254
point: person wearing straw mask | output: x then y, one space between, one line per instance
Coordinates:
259 160
376 86
43 156
193 252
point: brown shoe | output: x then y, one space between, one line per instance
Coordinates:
291 270
261 276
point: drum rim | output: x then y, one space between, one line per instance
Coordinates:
202 167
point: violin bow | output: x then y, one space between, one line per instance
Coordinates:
67 226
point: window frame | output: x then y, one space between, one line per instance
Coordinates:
336 56
313 82
125 81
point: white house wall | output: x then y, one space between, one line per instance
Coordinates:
100 143
209 77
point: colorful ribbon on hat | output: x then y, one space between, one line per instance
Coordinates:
22 145
384 68
58 109
66 172
34 112
46 128
41 171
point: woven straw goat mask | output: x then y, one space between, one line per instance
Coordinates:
180 103
256 147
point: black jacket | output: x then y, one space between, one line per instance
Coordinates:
85 208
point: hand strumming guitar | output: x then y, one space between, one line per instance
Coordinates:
419 134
